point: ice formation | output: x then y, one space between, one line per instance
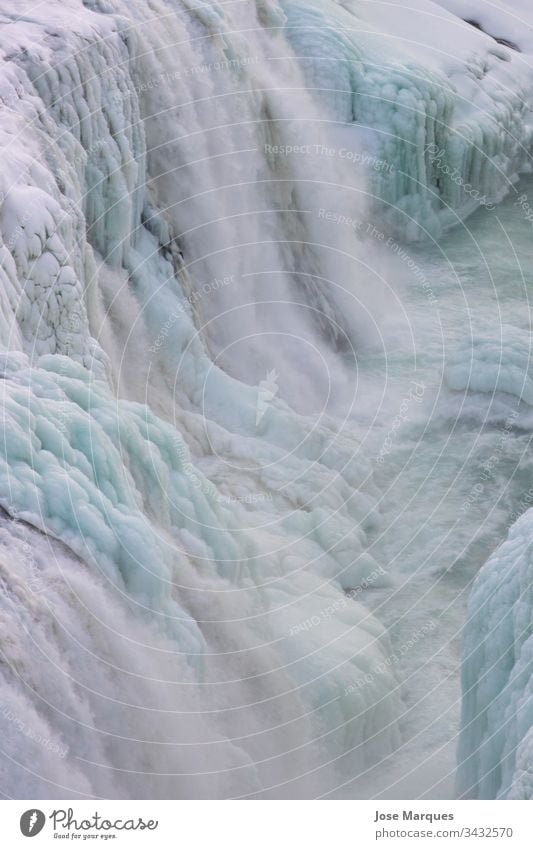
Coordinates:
170 538
489 364
207 646
446 115
495 752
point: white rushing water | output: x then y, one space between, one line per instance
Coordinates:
265 414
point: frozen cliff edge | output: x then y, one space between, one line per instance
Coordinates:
445 107
495 751
495 756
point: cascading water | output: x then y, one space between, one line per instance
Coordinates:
208 322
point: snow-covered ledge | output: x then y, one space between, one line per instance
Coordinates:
445 106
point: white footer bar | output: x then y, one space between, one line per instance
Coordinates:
267 824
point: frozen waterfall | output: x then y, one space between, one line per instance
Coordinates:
189 278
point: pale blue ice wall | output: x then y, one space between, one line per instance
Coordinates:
495 748
448 123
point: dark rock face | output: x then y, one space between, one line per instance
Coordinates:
505 41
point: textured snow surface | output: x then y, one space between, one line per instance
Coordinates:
174 526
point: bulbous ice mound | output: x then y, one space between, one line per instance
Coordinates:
499 361
495 754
